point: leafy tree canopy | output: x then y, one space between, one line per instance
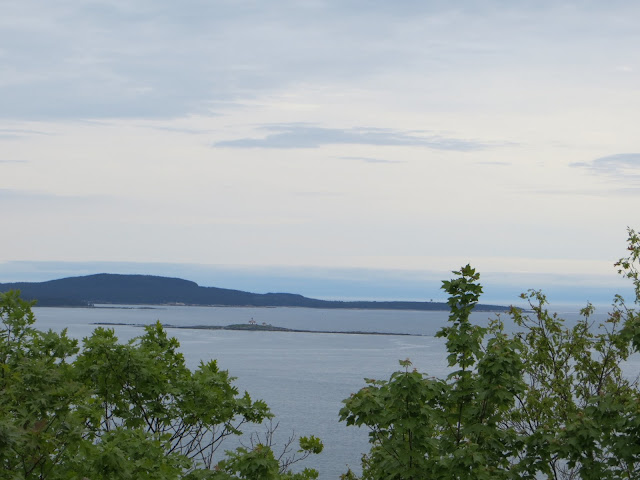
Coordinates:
121 410
547 402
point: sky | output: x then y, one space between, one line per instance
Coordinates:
338 149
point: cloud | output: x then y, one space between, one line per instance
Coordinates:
318 194
497 164
22 131
47 200
622 166
14 133
591 192
13 161
189 131
371 160
629 191
162 58
308 136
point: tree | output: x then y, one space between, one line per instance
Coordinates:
112 410
575 391
549 401
42 406
425 427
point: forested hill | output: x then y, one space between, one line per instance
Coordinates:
106 288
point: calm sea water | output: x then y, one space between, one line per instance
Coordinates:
303 377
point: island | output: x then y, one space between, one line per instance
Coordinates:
255 327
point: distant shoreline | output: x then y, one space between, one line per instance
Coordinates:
162 306
244 327
114 290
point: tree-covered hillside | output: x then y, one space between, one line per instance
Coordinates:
153 290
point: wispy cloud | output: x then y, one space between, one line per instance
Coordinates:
371 160
318 194
29 197
601 192
496 164
189 131
19 132
106 59
622 167
309 136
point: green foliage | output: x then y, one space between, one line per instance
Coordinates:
547 402
574 377
42 405
145 384
629 266
423 427
126 411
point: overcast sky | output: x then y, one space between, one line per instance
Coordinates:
360 136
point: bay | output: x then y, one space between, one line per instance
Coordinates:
303 377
